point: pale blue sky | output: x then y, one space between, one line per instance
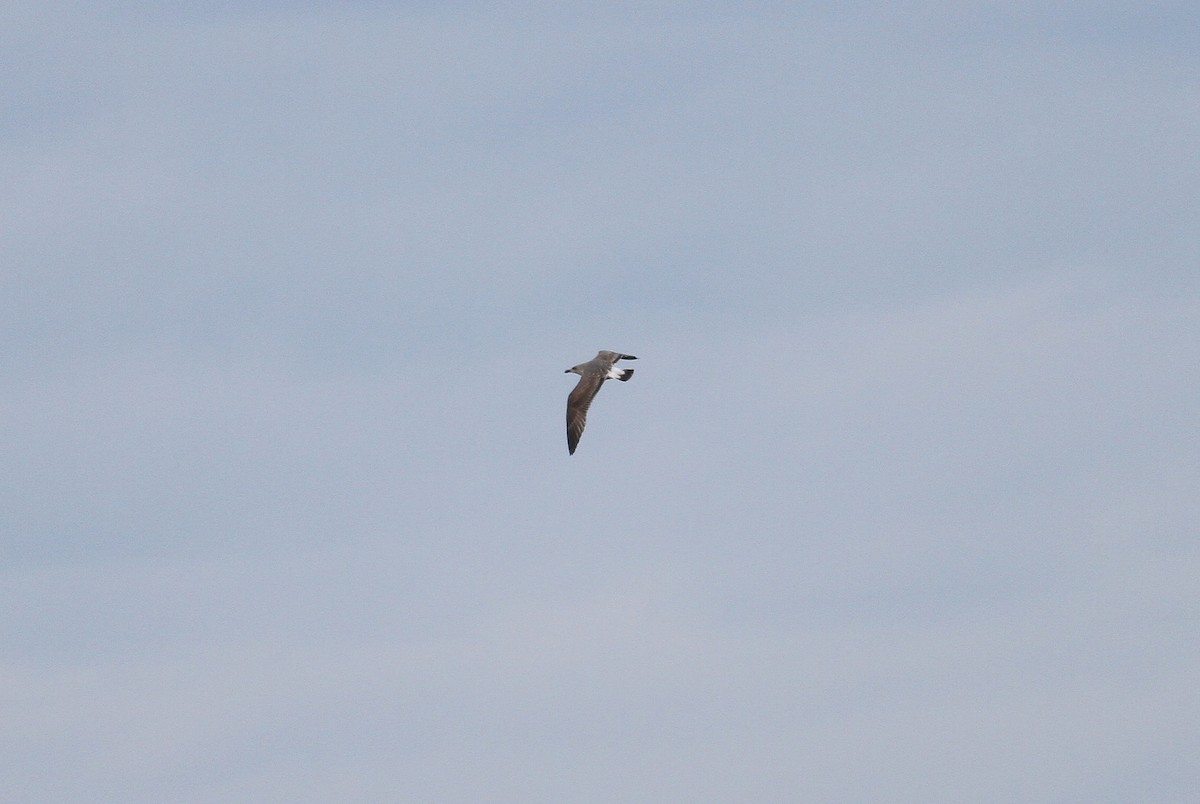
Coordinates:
901 504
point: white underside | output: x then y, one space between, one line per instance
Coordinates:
615 373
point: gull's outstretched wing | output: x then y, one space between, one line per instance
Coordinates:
577 407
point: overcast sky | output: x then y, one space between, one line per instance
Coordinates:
901 505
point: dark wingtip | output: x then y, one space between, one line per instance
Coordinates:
625 375
629 357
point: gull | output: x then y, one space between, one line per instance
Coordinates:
592 375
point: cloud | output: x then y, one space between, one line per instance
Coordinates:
898 506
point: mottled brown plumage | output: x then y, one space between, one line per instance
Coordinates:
592 375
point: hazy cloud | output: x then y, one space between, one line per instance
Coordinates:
900 505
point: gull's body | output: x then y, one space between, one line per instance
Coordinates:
592 375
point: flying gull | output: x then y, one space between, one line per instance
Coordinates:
592 375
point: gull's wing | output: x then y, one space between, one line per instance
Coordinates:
577 407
